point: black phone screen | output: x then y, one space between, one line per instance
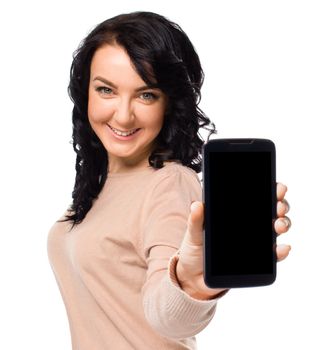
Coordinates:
241 202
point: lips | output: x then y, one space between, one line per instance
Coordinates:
124 133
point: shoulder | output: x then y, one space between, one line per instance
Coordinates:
175 170
62 225
174 179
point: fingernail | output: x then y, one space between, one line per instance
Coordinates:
286 222
286 204
194 206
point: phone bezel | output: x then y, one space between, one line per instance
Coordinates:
232 145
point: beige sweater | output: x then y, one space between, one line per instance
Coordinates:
116 270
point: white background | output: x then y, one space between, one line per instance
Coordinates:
267 66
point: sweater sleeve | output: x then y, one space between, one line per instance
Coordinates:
169 309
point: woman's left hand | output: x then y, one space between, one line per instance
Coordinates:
189 268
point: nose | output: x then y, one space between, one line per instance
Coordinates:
124 112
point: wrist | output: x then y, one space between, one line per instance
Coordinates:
188 285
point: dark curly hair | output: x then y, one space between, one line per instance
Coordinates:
151 41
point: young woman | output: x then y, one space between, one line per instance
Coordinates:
127 254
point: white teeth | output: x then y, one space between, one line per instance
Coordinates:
123 133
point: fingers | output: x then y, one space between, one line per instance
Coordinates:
282 207
282 251
195 224
283 222
280 191
196 216
282 225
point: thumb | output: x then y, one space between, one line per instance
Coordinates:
195 223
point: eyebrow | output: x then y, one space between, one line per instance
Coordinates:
142 88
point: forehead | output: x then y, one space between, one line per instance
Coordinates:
112 61
110 54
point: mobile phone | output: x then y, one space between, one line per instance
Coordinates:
239 194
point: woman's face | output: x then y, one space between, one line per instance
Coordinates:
124 113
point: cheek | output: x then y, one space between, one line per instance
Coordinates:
159 123
97 112
159 120
152 117
91 108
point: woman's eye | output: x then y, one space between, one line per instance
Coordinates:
149 96
104 90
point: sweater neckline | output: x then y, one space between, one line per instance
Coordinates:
147 169
130 173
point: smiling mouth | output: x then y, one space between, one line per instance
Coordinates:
123 133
